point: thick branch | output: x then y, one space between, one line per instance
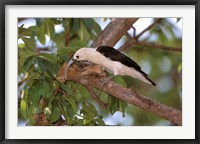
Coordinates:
114 31
128 95
21 19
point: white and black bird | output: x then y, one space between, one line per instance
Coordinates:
112 60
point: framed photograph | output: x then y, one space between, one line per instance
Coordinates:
100 72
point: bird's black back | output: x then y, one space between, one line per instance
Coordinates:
115 55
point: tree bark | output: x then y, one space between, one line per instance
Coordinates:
114 31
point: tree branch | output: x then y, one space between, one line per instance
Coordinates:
21 19
114 31
148 28
135 39
158 46
23 80
125 94
101 103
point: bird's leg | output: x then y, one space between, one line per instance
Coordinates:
106 81
109 78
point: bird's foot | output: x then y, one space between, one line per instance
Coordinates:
107 80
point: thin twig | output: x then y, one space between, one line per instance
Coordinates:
158 46
127 44
128 36
101 103
148 28
135 39
23 80
134 31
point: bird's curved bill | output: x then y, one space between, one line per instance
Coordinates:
68 65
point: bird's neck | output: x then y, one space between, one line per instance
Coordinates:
94 56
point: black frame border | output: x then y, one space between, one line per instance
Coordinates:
3 4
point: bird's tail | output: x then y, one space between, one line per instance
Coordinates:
139 75
153 83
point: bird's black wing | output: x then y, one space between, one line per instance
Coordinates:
115 55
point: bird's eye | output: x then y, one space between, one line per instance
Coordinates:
77 56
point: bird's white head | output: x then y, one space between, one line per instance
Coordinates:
80 55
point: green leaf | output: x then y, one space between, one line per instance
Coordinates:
122 107
48 56
77 44
179 68
50 66
21 45
31 116
89 110
80 122
62 51
34 93
28 63
50 28
55 21
41 33
59 39
120 80
89 23
97 28
92 27
63 86
47 65
75 25
46 89
72 102
114 105
65 58
36 108
33 29
99 121
23 109
23 54
29 43
33 78
84 92
23 32
55 115
104 97
41 65
83 33
67 111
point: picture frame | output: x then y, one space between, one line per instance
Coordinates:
3 74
